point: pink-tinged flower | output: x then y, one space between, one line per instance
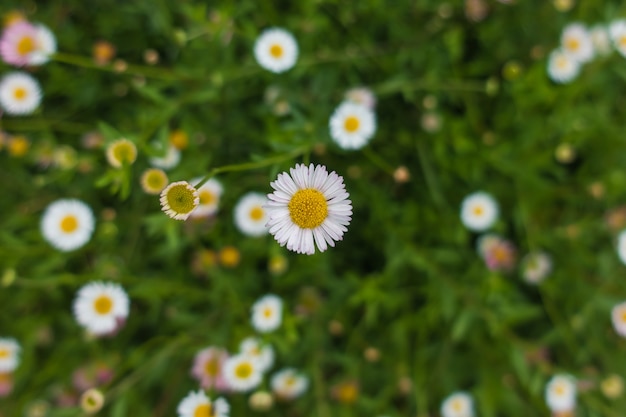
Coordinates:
6 384
91 376
24 43
499 254
208 368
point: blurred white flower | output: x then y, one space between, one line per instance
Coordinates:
20 93
561 393
618 317
262 354
617 32
210 194
363 96
250 215
170 160
536 266
101 307
24 43
576 42
289 384
9 354
479 211
600 39
352 125
197 404
458 404
67 224
561 67
276 50
267 313
242 373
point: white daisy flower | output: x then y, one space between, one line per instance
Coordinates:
170 160
617 32
601 40
250 216
289 383
561 67
67 224
363 96
20 93
210 194
308 206
276 50
9 354
267 313
197 404
458 404
179 200
242 373
262 354
618 317
23 43
576 42
621 246
352 125
561 393
479 211
536 266
101 307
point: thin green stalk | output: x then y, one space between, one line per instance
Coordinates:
247 166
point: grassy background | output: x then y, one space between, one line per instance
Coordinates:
406 280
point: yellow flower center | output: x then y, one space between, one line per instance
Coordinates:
623 316
268 312
212 367
561 63
4 353
308 208
154 180
179 139
290 381
229 256
478 211
26 45
559 390
256 213
572 44
124 151
622 41
20 93
69 223
243 370
276 51
103 304
203 410
351 124
181 198
207 197
457 405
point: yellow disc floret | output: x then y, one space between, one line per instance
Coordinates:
103 304
308 208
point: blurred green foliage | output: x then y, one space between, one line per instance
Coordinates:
405 281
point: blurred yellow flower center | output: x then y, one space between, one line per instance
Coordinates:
290 381
267 312
622 41
124 151
20 93
256 213
69 223
212 367
572 44
457 405
308 208
623 316
179 139
181 198
561 63
156 180
203 410
276 51
26 45
243 370
4 353
103 304
351 124
207 197
478 211
559 389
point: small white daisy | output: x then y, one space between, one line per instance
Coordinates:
561 67
536 266
479 211
308 207
352 125
621 246
210 194
9 354
67 224
276 50
363 96
179 199
601 40
289 383
20 93
120 152
23 43
458 404
618 317
168 161
267 313
576 42
561 393
242 373
197 404
617 32
101 307
250 216
262 354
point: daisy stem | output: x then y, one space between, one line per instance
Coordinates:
85 62
246 166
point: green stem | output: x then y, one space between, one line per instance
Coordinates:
253 165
